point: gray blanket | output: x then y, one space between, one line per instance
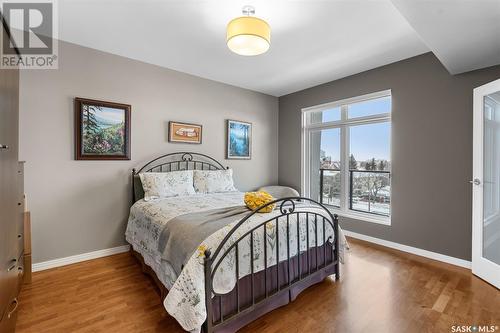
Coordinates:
181 236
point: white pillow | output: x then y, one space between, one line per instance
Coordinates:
158 185
213 181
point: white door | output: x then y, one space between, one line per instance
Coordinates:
486 184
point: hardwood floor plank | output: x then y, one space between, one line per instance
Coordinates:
381 290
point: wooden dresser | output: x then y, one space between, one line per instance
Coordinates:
11 201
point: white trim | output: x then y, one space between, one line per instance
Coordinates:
410 249
350 100
344 160
363 217
303 152
344 125
372 119
481 266
41 266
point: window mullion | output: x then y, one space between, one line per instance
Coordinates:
343 113
344 166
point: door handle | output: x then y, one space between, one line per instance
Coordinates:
475 181
4 147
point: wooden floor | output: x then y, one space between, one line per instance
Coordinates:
380 290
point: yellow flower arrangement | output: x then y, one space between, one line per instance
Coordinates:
201 250
254 200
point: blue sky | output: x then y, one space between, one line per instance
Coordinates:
114 116
366 141
107 117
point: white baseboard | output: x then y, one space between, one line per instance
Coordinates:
412 250
124 248
79 258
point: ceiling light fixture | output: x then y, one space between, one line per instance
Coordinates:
248 35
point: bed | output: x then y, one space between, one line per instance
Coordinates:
255 263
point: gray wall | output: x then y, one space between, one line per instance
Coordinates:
82 206
431 149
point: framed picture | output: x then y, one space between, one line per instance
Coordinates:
102 130
239 140
184 132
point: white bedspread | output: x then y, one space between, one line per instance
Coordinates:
185 300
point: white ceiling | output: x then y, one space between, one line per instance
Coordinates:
312 42
463 34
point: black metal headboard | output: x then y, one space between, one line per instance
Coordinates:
174 162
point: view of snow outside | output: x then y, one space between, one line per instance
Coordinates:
369 161
371 191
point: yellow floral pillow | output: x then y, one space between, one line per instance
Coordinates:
254 200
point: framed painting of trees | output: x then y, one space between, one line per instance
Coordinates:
102 130
239 140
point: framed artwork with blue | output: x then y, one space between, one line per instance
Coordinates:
102 130
239 140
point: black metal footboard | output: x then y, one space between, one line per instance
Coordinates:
286 274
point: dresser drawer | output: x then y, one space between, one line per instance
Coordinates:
20 186
9 283
20 196
20 173
20 213
19 231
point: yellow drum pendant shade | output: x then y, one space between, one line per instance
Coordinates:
248 36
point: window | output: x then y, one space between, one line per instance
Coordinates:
346 156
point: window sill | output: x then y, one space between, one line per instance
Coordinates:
365 217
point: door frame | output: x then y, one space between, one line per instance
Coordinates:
482 267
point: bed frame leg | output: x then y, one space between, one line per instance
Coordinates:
208 292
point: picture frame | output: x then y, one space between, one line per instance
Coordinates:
238 140
102 130
180 132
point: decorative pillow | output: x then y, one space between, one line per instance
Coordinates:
254 200
158 185
213 181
